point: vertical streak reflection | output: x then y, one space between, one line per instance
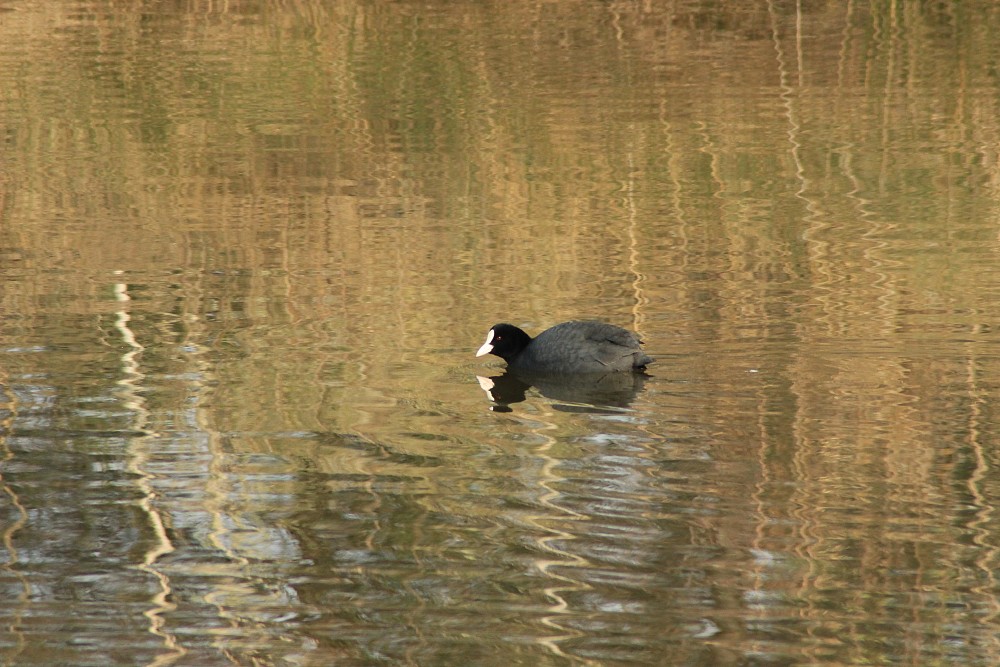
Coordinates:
9 531
982 518
129 390
549 543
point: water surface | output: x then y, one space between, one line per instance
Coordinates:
249 250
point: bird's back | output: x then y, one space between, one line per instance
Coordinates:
584 347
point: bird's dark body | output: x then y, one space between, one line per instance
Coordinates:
569 348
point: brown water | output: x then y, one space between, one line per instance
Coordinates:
249 249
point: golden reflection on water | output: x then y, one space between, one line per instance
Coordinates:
13 525
130 385
249 251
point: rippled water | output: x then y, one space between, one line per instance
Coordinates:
248 253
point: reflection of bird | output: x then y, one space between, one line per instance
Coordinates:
599 391
567 348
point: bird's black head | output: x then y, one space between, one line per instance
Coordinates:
505 341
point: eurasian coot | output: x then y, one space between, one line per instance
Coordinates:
570 347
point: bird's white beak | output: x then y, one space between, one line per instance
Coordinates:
487 346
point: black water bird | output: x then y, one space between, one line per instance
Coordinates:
569 348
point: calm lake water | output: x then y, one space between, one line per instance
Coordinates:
248 251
